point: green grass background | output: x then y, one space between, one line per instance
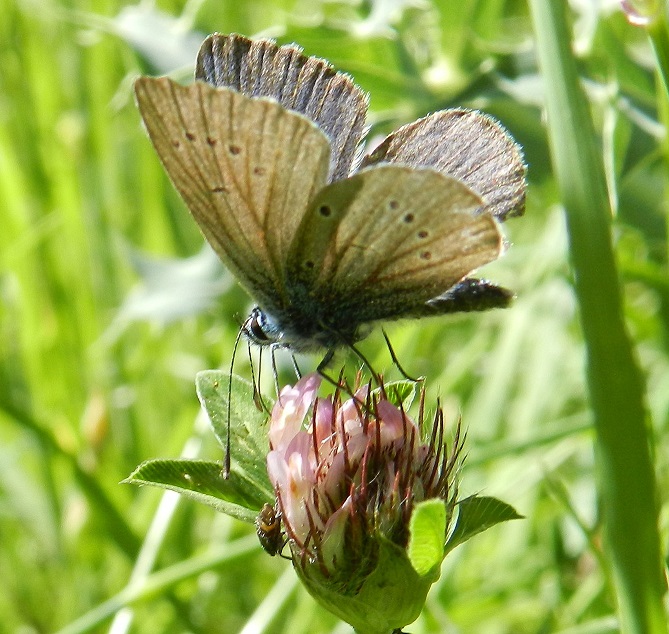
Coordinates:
108 308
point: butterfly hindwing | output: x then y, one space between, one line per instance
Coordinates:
467 145
382 243
246 168
307 85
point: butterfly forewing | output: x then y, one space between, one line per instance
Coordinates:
307 85
246 168
390 238
467 145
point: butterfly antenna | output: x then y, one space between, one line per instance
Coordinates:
275 372
393 356
226 463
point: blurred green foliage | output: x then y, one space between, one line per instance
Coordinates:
108 308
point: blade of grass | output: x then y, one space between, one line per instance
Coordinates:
118 529
658 30
626 478
160 582
272 603
155 536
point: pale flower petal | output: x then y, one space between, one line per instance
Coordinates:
291 408
344 470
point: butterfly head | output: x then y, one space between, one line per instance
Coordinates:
261 329
299 330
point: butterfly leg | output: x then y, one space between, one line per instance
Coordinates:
325 361
298 372
339 383
365 362
396 360
358 353
255 379
272 351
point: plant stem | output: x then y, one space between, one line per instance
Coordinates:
626 477
659 37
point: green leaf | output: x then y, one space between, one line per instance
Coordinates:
477 514
400 393
427 529
202 481
249 443
248 487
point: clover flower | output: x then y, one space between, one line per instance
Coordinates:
347 476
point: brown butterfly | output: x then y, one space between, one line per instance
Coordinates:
264 150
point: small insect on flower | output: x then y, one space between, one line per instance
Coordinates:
268 529
347 476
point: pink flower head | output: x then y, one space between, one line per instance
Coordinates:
347 472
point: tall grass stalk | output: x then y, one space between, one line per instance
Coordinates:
626 478
658 30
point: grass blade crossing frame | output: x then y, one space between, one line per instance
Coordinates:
626 478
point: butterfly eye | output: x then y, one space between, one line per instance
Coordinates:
254 328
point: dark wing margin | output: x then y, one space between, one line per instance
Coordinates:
469 295
308 85
465 144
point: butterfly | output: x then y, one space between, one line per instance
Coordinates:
264 148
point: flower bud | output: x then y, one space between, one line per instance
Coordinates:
347 476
